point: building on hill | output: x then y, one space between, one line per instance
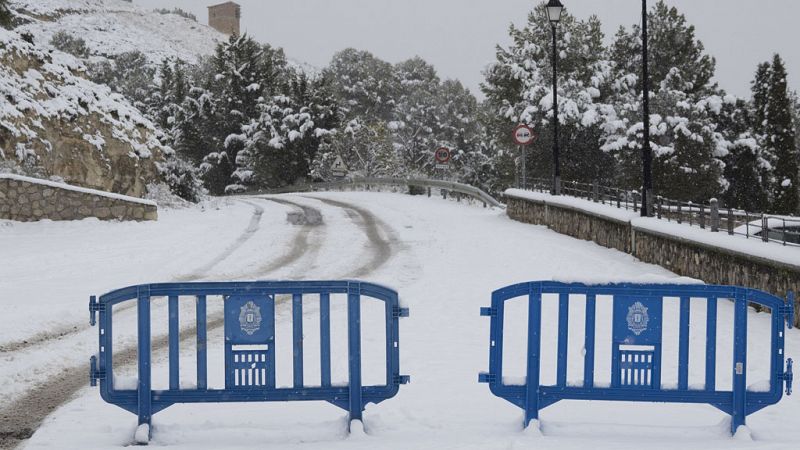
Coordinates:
225 17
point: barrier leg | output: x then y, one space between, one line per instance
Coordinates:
739 411
534 343
144 389
354 349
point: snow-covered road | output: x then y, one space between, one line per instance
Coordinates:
444 258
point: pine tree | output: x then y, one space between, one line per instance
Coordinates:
760 89
672 44
687 142
416 123
365 86
519 88
780 141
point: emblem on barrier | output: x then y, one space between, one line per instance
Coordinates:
638 318
250 318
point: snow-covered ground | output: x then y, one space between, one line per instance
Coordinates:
444 258
111 27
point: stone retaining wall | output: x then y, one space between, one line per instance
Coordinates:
713 265
29 199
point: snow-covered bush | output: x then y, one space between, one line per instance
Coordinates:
177 12
68 43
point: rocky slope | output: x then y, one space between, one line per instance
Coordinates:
54 122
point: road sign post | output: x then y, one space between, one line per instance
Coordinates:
524 136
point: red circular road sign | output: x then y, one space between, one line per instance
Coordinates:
443 155
524 135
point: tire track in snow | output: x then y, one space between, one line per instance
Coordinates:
380 246
20 419
44 337
252 228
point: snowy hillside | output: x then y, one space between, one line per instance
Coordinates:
58 123
111 27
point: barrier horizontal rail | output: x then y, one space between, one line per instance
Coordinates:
637 352
250 345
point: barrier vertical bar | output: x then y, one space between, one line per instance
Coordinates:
739 410
297 338
711 344
389 318
174 350
394 342
563 335
271 352
202 345
588 358
106 322
496 338
683 346
534 348
325 338
145 410
354 349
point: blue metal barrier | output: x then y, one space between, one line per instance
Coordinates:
636 348
249 321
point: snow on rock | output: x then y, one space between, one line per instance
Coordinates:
56 120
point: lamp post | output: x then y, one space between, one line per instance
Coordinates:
647 152
554 11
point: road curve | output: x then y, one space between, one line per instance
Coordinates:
20 419
69 330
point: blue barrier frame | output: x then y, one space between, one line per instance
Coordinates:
144 401
738 402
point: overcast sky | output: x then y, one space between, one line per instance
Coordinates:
459 36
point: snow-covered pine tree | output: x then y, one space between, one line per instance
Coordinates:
282 144
461 131
519 88
686 141
760 89
416 124
746 170
364 86
779 132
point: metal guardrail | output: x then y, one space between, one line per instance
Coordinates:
444 186
784 230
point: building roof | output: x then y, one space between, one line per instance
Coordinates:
223 4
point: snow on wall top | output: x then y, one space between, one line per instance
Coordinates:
720 240
111 27
69 187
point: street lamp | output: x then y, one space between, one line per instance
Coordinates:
554 11
647 152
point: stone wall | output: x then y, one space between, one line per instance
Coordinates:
606 231
29 199
712 264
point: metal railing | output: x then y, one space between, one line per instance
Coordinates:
366 183
784 230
